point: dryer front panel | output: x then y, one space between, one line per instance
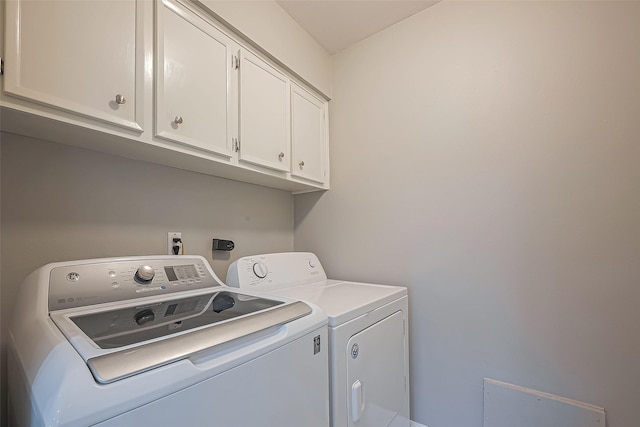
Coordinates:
376 382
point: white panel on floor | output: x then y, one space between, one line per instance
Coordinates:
508 405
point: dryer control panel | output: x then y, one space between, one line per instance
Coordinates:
271 272
80 285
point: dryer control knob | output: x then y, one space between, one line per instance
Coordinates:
260 269
144 274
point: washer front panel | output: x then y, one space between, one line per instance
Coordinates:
95 283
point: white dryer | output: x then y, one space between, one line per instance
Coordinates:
161 341
368 334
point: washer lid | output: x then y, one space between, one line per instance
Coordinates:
344 301
122 341
123 326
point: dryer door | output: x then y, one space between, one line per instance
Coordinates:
376 383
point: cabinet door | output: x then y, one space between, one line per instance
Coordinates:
77 56
264 114
376 380
192 72
308 135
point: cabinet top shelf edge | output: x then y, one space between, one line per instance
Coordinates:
239 37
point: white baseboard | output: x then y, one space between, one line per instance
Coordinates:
415 424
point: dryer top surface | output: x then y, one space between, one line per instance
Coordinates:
343 301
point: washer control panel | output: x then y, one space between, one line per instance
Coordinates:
99 282
270 272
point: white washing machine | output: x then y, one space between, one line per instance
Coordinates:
161 341
368 334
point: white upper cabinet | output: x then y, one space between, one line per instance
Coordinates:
308 135
264 114
161 81
76 56
193 67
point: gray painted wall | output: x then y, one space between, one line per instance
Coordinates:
486 155
63 203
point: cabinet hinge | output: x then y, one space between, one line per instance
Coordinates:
236 144
1 66
236 62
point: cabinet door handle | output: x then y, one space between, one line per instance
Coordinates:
178 120
301 163
281 156
120 99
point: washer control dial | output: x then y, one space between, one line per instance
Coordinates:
144 316
260 269
144 274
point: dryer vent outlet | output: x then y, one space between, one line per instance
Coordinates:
223 245
175 245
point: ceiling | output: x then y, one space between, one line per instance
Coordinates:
337 24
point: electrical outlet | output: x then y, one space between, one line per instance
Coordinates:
172 243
